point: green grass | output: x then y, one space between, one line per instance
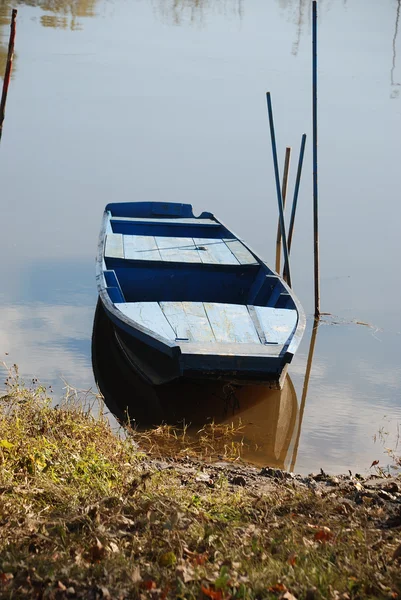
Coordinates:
84 513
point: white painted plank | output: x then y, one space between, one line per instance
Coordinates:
277 323
189 320
149 315
215 251
114 246
231 323
149 220
141 247
240 252
224 349
173 249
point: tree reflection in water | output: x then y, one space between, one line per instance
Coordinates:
195 12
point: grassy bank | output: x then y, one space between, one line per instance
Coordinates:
84 513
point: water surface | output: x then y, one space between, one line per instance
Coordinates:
162 100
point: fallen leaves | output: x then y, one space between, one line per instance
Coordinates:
97 552
323 535
277 588
6 578
292 559
196 558
209 592
397 553
149 584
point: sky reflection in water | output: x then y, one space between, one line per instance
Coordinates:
165 100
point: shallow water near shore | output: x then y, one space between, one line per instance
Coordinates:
158 100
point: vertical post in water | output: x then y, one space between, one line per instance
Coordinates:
315 188
284 195
278 188
296 191
9 65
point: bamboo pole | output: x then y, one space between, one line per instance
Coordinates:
296 191
284 195
9 65
315 186
278 188
305 391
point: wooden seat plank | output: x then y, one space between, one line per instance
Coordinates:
149 315
150 221
189 321
231 323
173 249
277 323
215 251
114 246
242 254
141 247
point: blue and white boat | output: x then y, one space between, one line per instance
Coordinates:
189 299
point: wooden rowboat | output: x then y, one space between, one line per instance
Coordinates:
189 299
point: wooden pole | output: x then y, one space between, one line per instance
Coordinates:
278 188
284 195
315 187
9 65
296 191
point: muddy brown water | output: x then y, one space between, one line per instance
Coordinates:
163 100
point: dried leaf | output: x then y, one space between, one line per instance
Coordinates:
61 586
186 573
374 463
278 587
97 552
136 575
213 594
397 553
113 547
149 584
5 578
323 535
307 543
292 559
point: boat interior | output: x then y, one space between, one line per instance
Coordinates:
169 273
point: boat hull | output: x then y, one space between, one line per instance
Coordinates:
188 299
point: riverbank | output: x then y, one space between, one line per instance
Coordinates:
85 513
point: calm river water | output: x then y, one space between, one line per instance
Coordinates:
165 100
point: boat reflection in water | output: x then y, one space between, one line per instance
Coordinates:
269 418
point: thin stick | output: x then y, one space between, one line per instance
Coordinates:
315 188
305 391
9 65
278 188
284 195
296 191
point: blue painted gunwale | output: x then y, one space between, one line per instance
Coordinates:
217 357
